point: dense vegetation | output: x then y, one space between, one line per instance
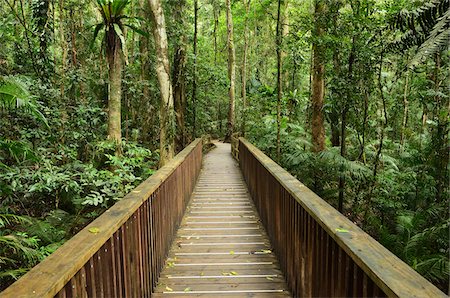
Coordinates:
350 96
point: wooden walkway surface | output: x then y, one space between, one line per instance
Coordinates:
221 248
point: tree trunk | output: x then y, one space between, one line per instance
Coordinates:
405 111
244 68
231 72
318 80
147 117
345 109
179 78
114 58
279 41
167 117
194 78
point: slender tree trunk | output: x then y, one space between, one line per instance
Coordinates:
194 79
382 122
63 45
405 110
334 115
244 68
285 33
178 77
318 80
345 109
114 58
231 72
362 154
440 136
147 117
216 26
216 11
279 42
167 117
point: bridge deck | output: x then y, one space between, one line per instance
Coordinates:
221 247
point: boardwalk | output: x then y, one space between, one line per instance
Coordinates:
221 248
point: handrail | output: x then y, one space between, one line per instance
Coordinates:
235 146
122 252
321 252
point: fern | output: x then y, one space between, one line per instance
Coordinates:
427 27
437 40
9 219
14 94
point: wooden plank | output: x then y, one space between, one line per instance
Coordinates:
221 245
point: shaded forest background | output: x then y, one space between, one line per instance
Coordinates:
350 96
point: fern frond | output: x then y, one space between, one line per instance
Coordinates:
14 273
437 40
8 219
14 94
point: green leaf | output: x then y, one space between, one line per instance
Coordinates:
94 230
119 33
341 230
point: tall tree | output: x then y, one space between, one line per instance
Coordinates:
244 67
231 72
194 76
167 115
179 75
114 40
318 78
279 44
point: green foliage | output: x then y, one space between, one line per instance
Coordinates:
14 94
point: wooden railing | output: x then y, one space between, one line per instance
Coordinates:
121 253
235 146
321 252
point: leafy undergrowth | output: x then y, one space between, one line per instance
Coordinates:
48 195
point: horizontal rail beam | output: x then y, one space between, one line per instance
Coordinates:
122 252
321 252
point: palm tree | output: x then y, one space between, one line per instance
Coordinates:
112 12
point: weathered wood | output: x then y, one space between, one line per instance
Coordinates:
355 264
94 252
221 247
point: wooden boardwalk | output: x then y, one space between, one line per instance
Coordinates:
221 248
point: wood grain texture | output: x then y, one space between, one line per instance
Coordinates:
221 247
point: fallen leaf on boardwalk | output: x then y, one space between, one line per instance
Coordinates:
202 273
342 230
231 252
187 289
225 273
169 289
269 278
170 264
94 230
266 251
233 273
